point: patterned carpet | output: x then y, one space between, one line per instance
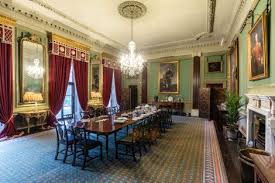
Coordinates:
188 152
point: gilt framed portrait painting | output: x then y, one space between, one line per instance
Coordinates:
216 66
168 80
258 50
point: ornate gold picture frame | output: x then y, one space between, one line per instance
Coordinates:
258 50
168 77
32 70
214 66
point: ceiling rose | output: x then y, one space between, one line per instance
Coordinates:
132 9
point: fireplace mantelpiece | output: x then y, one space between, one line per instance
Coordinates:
264 105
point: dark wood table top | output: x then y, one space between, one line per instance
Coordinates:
106 127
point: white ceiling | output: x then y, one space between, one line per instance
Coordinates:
166 21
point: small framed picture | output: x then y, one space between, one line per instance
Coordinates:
216 66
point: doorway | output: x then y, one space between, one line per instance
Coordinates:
133 96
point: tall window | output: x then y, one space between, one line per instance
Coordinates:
69 101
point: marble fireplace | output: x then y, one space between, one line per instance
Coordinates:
260 122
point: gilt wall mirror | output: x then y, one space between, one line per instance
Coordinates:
32 70
95 69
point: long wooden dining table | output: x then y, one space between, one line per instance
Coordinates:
106 126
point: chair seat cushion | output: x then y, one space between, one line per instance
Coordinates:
126 140
69 142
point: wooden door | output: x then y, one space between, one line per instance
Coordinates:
133 96
204 103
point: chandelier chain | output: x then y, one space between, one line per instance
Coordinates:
132 29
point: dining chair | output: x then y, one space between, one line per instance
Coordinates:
153 129
64 137
146 133
83 144
132 141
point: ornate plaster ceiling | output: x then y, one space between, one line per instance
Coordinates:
166 23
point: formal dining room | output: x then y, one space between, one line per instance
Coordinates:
137 91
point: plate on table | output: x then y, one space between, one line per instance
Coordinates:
124 115
119 121
122 118
170 99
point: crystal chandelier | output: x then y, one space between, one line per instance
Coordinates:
132 63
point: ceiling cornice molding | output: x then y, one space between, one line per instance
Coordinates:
63 15
202 36
43 24
240 16
190 49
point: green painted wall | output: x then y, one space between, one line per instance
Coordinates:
264 86
186 74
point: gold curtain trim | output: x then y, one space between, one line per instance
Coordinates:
7 21
69 42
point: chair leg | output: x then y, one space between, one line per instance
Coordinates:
71 148
116 151
139 148
133 153
57 151
144 146
66 154
101 152
84 159
74 157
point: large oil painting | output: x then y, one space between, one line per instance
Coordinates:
258 51
169 77
95 77
32 71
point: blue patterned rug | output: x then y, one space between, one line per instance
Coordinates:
188 152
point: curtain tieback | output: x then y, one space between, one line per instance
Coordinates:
9 119
52 113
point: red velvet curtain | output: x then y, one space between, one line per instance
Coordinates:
6 90
118 85
107 84
59 72
81 81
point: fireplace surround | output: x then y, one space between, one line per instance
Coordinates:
264 108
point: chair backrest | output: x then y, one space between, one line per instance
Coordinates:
63 130
81 135
91 112
85 115
137 132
